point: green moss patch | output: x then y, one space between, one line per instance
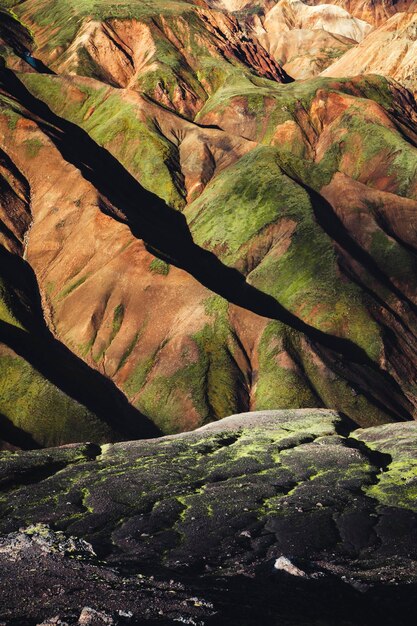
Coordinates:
117 125
37 407
304 277
157 266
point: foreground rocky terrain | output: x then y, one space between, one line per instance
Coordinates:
278 517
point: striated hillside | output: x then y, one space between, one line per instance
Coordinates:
187 232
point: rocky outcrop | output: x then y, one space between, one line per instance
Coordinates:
276 504
390 50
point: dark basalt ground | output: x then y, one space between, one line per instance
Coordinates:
189 528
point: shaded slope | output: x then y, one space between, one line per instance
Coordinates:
48 395
47 391
332 133
291 282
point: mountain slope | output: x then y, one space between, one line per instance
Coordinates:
390 50
176 52
253 248
341 37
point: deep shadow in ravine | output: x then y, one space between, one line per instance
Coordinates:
11 434
58 364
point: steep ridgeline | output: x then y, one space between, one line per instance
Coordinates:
205 235
176 52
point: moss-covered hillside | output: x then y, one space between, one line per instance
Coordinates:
204 234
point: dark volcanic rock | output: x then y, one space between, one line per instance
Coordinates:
268 518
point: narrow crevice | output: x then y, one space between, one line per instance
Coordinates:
7 163
345 426
119 44
19 38
37 64
379 460
221 441
92 451
295 356
14 33
353 276
384 225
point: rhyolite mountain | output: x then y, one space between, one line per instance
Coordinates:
208 231
189 230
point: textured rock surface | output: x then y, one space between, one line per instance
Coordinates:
269 504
